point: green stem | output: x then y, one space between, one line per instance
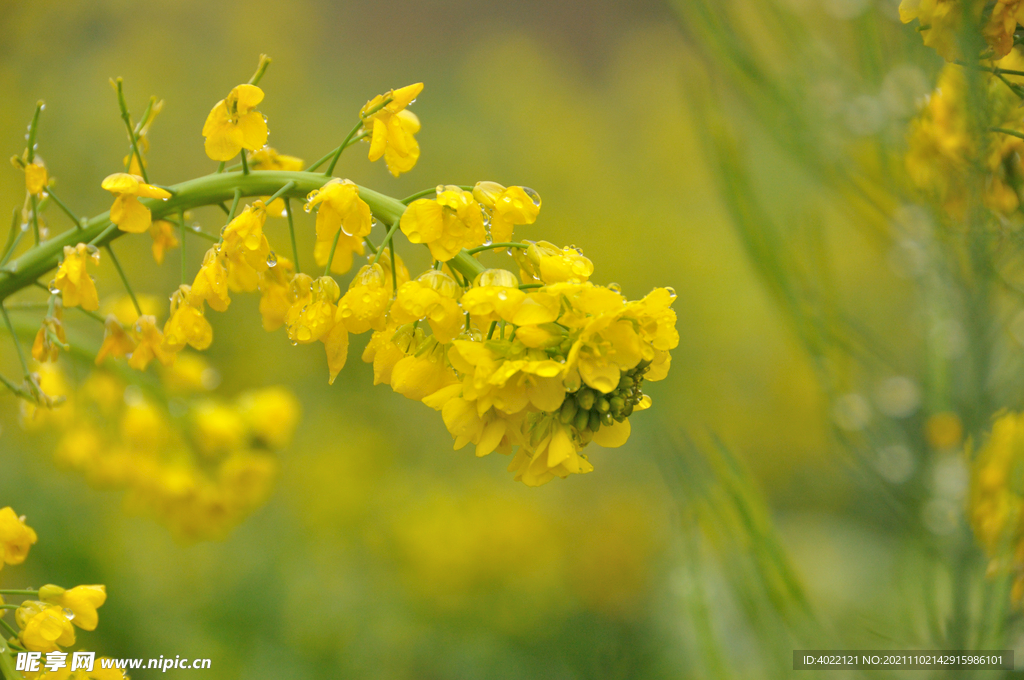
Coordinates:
260 70
10 606
527 286
32 129
245 164
330 258
234 205
145 116
220 168
7 668
103 236
17 343
67 210
291 232
419 194
394 269
490 331
281 192
124 279
369 244
35 217
387 241
1012 133
210 189
11 236
126 117
337 154
26 593
495 246
181 216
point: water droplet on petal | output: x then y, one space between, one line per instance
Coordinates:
611 286
534 196
53 288
68 614
272 259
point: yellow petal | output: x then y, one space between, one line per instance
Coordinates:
129 215
612 436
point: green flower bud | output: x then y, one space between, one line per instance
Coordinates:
603 405
585 398
568 411
595 421
581 419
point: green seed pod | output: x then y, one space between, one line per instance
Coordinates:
568 411
581 419
617 403
595 421
607 418
603 405
585 398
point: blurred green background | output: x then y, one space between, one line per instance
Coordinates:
383 553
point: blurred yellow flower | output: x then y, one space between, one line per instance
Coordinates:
149 344
268 158
116 342
432 296
164 239
51 337
36 177
16 537
233 124
72 279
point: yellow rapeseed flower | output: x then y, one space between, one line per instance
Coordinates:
274 284
149 344
116 342
340 207
392 128
495 296
186 324
72 279
507 207
445 224
553 452
44 627
544 262
164 239
432 296
127 212
36 177
365 305
83 601
16 537
233 124
51 337
211 282
272 414
245 249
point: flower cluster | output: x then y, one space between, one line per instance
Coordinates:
534 360
944 148
47 623
197 464
996 506
942 23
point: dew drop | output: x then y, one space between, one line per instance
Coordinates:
439 189
52 287
373 222
68 614
611 286
272 259
534 196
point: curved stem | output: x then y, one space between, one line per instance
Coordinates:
291 232
212 189
495 246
